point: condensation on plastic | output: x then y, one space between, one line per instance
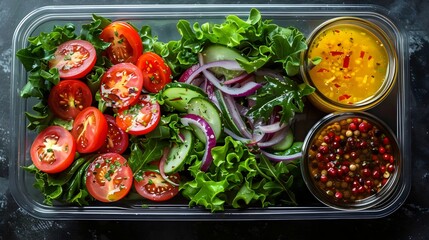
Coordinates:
163 18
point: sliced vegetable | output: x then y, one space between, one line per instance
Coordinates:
109 178
125 42
225 113
179 153
74 59
227 64
89 130
121 85
53 150
116 140
140 118
154 187
217 52
285 143
68 98
199 122
203 107
177 95
156 74
244 90
280 158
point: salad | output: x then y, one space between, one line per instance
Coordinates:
208 117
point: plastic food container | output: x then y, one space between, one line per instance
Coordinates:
351 161
358 65
163 18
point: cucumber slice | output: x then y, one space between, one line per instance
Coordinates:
179 153
226 115
285 143
215 53
203 107
177 95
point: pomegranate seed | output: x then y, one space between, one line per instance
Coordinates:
323 149
386 157
386 141
338 195
327 139
353 126
366 172
363 127
332 172
376 174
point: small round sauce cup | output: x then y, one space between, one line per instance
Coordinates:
351 63
351 161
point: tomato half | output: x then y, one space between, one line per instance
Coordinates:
89 130
116 140
53 150
109 178
121 85
68 98
156 74
153 187
74 59
125 42
140 118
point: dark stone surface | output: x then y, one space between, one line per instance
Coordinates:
411 221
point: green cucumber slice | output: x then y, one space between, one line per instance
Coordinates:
177 95
215 53
206 109
285 143
226 116
179 153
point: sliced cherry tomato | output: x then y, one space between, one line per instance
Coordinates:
156 74
89 130
116 140
153 187
109 178
53 150
125 42
121 85
68 98
140 118
74 59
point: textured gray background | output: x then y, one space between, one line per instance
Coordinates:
411 221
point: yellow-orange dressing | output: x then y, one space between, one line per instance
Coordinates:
354 64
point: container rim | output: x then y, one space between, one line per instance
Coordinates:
293 11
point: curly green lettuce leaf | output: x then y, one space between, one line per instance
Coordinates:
238 179
261 42
67 186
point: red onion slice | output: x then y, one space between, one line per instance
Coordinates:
237 137
228 64
277 137
236 117
238 79
280 158
272 128
203 125
188 72
245 90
